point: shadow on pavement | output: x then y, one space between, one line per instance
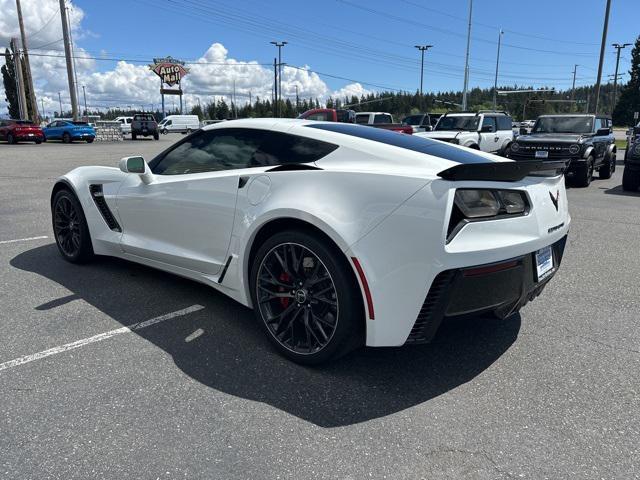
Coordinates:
223 347
619 191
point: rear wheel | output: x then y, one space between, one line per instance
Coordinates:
630 180
66 138
70 228
38 142
89 140
11 139
306 297
156 136
133 136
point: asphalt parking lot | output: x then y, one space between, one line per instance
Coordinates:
198 392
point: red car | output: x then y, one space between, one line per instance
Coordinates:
14 131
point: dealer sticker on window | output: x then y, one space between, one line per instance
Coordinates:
544 262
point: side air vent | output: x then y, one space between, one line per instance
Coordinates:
432 310
98 198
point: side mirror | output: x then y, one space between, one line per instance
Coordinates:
524 131
428 128
136 165
487 129
603 132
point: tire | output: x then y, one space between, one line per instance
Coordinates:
312 328
608 167
89 140
66 138
188 131
156 136
11 139
583 179
38 142
133 136
70 228
630 180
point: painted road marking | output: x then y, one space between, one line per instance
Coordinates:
23 239
98 338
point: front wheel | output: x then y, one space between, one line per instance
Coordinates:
66 138
584 175
11 139
306 297
630 180
156 136
70 228
606 169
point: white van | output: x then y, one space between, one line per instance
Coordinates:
179 123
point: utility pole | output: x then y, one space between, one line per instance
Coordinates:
44 115
60 100
22 97
84 94
618 47
73 57
422 49
67 54
279 91
297 99
495 82
466 61
27 66
602 45
573 85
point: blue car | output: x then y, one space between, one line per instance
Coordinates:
68 131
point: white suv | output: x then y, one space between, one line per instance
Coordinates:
490 132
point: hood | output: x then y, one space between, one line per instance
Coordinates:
550 138
448 134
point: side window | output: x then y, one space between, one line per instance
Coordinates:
321 116
168 122
362 119
489 121
282 148
599 124
382 118
209 151
504 123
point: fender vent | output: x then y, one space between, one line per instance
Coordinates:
432 310
98 198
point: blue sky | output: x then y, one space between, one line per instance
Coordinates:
371 41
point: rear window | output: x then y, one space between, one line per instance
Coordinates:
362 119
146 118
80 123
382 118
410 142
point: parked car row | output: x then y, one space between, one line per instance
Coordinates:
67 131
382 120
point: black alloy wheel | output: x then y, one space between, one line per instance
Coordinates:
305 298
70 228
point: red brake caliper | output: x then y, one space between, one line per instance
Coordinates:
284 277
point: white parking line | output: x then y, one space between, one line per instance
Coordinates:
97 338
23 239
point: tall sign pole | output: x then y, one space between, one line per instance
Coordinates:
27 66
466 62
67 54
602 45
495 82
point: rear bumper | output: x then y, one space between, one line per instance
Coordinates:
500 289
83 136
29 138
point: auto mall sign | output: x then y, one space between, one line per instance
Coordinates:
169 70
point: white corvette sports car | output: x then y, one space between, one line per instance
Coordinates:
337 235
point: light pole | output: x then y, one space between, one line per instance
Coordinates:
422 49
602 45
618 47
279 92
84 94
495 83
466 61
60 100
573 86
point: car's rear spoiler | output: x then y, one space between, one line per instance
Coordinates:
504 171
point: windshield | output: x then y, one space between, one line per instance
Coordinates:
563 125
458 123
412 120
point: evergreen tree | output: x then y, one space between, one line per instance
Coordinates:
9 81
629 101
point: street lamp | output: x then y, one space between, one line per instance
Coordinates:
279 92
422 49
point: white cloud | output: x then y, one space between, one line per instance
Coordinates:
213 75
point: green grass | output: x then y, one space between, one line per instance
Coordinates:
621 144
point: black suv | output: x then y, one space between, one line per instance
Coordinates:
144 124
586 141
631 174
